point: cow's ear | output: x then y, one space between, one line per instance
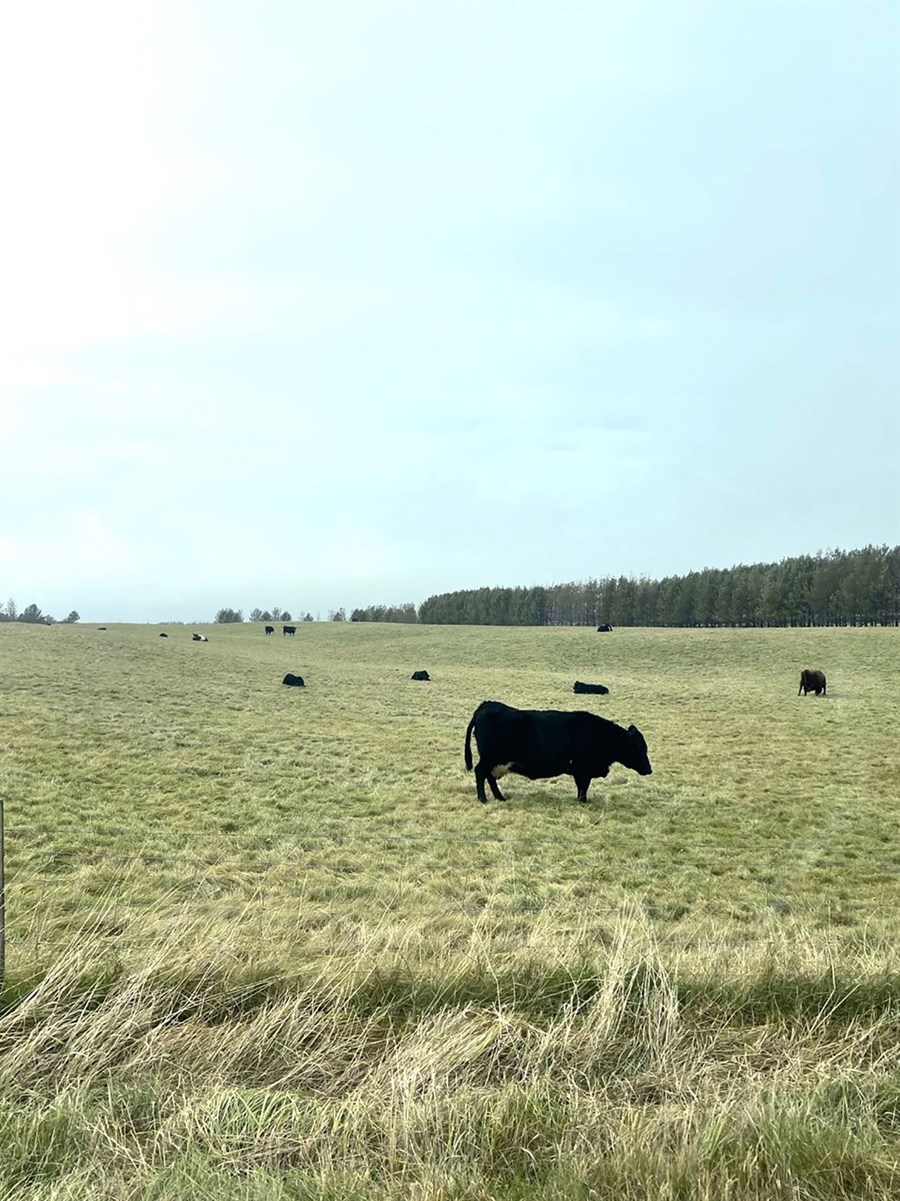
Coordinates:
632 729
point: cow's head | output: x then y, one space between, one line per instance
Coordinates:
636 753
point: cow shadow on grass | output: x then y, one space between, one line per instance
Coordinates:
614 797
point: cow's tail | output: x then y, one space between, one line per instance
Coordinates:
471 727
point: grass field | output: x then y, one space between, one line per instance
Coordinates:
264 942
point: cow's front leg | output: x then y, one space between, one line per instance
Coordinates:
582 783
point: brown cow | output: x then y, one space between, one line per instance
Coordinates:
812 680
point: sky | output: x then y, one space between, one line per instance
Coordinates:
325 304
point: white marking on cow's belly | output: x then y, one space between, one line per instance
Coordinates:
500 770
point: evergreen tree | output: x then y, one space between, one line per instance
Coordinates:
229 615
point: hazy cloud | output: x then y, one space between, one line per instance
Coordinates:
326 304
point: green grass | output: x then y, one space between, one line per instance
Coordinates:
265 942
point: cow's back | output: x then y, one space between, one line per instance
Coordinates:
536 740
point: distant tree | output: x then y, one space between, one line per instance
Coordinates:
275 614
337 614
309 617
706 597
11 610
72 618
31 615
228 615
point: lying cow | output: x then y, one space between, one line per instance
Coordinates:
294 681
199 638
164 635
812 680
540 743
598 689
288 630
604 629
270 629
420 675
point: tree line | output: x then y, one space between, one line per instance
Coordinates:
858 587
32 615
226 616
832 588
403 613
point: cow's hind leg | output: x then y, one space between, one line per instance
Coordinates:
480 776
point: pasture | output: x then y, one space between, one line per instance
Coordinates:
265 942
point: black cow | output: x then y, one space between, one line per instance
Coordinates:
598 689
289 630
604 629
295 681
270 629
199 638
812 680
101 629
164 635
420 675
540 743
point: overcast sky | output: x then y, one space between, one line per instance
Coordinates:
321 303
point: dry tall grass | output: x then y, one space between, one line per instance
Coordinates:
267 945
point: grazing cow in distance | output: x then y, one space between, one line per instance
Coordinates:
541 743
101 629
604 629
289 630
812 680
199 638
295 681
420 675
164 635
599 689
270 629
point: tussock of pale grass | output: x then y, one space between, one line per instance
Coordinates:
637 1072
